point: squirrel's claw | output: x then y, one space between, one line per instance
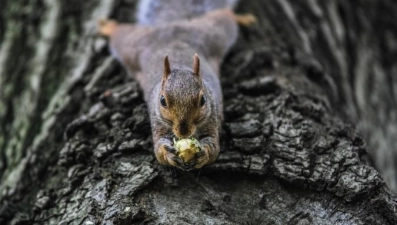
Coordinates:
170 149
167 155
106 27
200 159
245 19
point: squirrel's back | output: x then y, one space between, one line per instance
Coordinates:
152 12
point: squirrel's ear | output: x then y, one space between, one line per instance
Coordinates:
196 65
167 68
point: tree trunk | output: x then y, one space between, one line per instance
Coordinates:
75 139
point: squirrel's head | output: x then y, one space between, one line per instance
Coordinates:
182 98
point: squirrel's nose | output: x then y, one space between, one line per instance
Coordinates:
183 129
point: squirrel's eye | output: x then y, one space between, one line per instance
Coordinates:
162 101
202 100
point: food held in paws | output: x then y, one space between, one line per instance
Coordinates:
187 148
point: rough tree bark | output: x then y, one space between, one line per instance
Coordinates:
75 141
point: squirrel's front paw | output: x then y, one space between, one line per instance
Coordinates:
166 154
200 159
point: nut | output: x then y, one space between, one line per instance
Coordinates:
187 148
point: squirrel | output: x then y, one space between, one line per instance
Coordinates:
177 65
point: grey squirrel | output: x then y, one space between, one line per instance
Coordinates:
175 57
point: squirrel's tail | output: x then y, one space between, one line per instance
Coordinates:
152 12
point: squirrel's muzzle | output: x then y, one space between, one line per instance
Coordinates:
183 130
